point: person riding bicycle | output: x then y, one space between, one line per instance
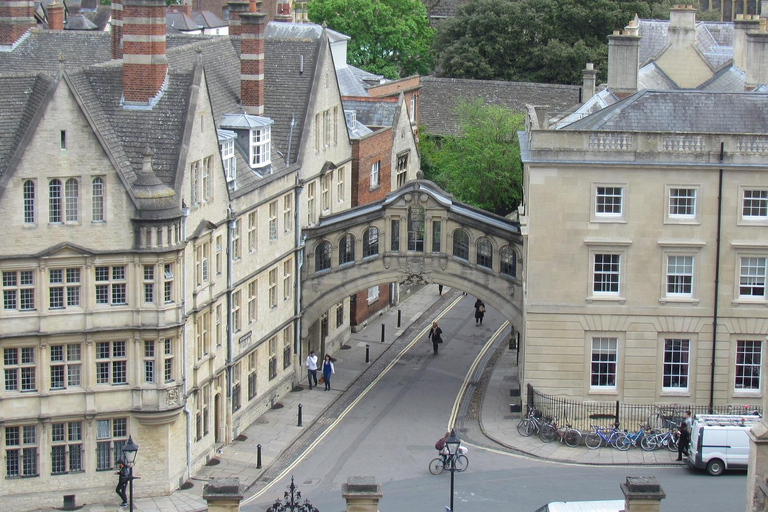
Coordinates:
442 448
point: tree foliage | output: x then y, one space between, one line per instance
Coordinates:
482 165
389 37
546 41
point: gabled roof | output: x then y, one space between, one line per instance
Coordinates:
681 112
208 20
79 22
439 98
713 39
372 113
180 21
21 104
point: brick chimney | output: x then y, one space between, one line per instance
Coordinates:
145 65
252 61
623 61
236 8
756 60
589 76
116 35
284 11
742 25
16 18
56 16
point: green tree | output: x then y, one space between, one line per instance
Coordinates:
482 165
546 41
389 37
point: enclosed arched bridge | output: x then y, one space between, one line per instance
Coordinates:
416 234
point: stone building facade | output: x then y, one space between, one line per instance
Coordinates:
152 247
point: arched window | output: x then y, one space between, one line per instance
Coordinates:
54 201
29 202
98 200
370 242
484 253
416 228
508 261
461 244
323 256
346 249
71 193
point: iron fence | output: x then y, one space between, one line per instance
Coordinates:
583 414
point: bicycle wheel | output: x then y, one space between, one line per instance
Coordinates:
436 466
623 442
593 441
672 443
547 433
524 427
462 462
648 443
572 437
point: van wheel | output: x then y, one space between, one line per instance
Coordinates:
715 467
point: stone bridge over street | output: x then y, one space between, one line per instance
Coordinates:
416 234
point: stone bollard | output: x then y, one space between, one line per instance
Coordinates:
642 494
223 494
362 494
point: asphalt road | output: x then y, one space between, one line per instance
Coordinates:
390 434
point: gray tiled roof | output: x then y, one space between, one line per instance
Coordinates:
79 22
651 76
372 113
180 21
682 112
439 98
714 40
40 51
730 79
21 98
349 84
208 19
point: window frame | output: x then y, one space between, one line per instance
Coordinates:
460 250
592 361
752 220
371 240
375 180
29 190
751 298
687 218
98 199
752 391
484 260
323 256
504 265
613 247
667 363
259 146
346 249
608 217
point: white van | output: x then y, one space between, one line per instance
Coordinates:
584 506
720 442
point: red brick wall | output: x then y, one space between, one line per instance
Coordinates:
366 151
141 81
408 86
117 29
363 310
56 16
252 45
11 31
236 8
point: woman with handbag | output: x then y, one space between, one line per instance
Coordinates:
328 370
434 335
479 312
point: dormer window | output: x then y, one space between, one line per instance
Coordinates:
227 145
260 151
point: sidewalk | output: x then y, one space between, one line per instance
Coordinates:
277 429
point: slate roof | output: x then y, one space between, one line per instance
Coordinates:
179 21
349 84
21 98
372 113
439 98
40 51
79 22
208 19
651 76
713 39
682 112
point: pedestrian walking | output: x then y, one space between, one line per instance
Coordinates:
479 312
440 289
434 335
685 436
328 370
311 368
123 477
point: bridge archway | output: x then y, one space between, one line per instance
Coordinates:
416 234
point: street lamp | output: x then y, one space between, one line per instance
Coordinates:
453 443
130 449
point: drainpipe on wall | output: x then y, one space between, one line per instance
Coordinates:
230 230
298 264
187 412
717 282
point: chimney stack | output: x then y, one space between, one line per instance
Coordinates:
16 18
756 59
116 34
742 25
588 84
56 16
145 65
682 26
252 61
236 8
623 61
284 11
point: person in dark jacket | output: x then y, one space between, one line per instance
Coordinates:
328 370
685 436
479 312
434 335
123 477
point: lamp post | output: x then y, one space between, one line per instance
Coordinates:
453 443
130 449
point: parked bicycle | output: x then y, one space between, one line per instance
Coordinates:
656 439
439 464
551 431
601 435
668 416
627 440
531 423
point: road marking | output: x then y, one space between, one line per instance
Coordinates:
352 405
470 372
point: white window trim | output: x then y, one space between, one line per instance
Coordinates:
607 247
683 219
745 251
691 249
609 217
373 294
265 144
749 221
692 344
620 345
375 172
740 392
